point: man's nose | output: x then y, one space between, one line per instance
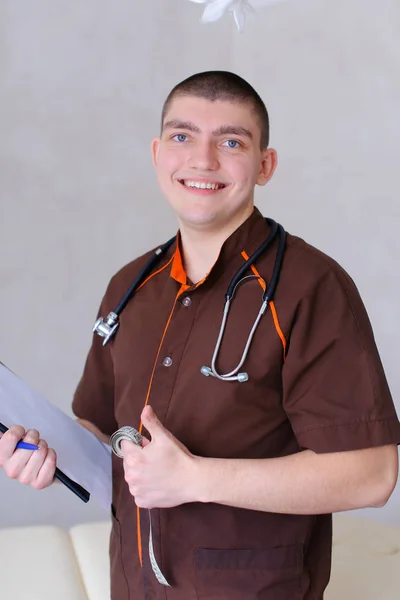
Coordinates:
204 156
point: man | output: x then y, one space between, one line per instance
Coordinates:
241 477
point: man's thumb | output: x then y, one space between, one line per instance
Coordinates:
151 422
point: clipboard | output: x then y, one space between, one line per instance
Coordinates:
85 460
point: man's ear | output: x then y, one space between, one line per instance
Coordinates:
155 145
269 162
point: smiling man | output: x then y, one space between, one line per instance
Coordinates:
241 475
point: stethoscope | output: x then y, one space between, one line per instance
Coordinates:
107 328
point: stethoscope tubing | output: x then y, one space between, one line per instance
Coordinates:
269 293
142 274
267 298
230 376
252 259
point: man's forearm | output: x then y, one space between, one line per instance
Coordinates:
303 483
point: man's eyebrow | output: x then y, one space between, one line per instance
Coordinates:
177 124
223 130
233 130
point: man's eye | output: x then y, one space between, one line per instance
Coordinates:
180 137
231 143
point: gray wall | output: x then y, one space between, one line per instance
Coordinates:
81 87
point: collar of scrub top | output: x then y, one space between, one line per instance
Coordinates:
108 327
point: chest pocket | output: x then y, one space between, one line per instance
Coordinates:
242 574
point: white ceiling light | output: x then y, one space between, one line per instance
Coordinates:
215 9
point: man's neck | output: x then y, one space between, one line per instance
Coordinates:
201 248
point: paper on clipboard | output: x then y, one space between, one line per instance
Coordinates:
80 455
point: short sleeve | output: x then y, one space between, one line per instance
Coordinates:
94 397
335 392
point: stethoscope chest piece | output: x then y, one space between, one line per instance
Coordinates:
106 328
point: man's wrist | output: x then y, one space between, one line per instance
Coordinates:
202 479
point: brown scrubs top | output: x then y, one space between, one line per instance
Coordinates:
315 381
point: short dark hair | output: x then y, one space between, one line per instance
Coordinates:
222 85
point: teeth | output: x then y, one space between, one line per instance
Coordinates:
202 185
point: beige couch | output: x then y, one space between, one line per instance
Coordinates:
43 562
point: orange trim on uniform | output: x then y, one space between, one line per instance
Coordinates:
177 270
278 327
139 536
155 272
183 288
272 305
204 278
139 533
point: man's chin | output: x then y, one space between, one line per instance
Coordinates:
198 221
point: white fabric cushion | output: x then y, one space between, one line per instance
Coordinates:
366 560
90 542
43 562
38 563
365 564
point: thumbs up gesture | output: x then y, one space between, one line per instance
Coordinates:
161 473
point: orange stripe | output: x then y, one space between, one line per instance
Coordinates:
182 289
272 305
139 532
155 272
139 536
177 270
278 327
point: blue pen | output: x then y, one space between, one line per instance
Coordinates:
25 446
20 445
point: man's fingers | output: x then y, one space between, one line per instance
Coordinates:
8 442
16 432
30 467
130 448
32 436
45 476
10 439
26 464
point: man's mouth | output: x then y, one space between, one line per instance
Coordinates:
202 185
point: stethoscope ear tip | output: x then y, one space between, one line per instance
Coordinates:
240 377
206 371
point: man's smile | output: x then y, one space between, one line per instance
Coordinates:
202 187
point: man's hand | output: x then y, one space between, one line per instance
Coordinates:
162 473
35 468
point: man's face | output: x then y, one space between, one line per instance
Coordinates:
208 160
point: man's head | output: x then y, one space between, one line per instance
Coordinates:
213 150
224 86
